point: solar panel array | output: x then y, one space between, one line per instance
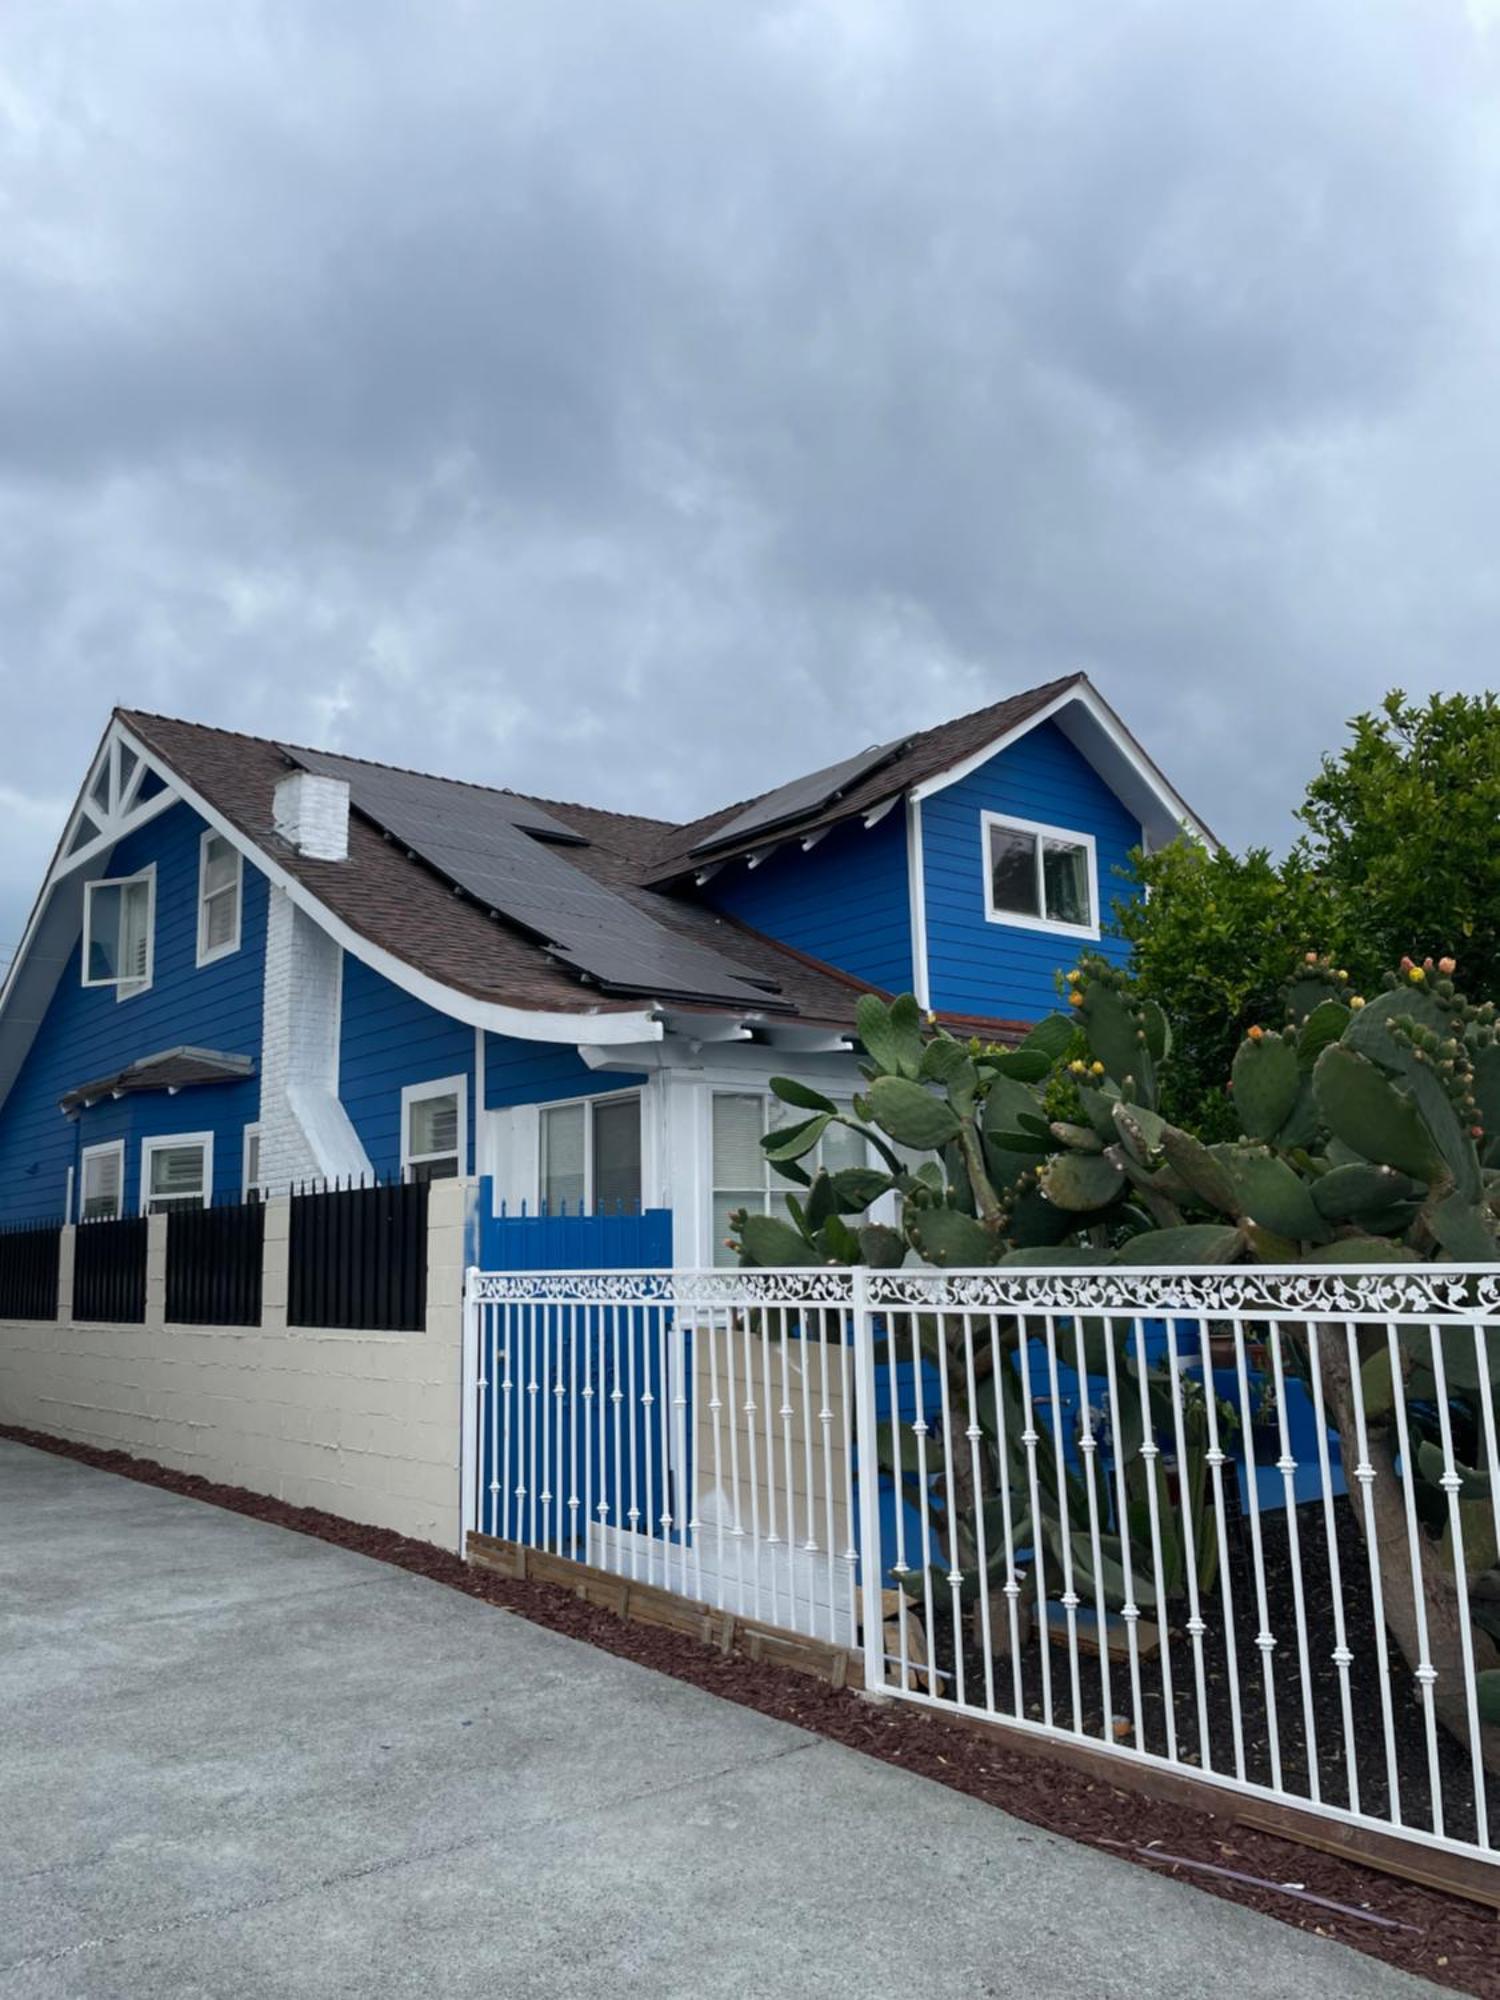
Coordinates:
498 849
803 796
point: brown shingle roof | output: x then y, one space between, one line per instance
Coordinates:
923 756
402 907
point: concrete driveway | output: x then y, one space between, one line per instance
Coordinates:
234 1761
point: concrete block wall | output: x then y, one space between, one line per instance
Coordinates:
363 1424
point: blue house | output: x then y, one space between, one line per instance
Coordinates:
252 965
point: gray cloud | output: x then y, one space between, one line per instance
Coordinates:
643 402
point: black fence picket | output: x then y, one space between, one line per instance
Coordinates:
109 1271
214 1259
28 1270
358 1258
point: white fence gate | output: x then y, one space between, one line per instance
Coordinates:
1243 1523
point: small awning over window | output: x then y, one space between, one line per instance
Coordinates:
172 1070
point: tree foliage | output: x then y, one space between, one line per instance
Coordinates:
1399 856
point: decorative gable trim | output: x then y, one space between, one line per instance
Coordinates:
1098 734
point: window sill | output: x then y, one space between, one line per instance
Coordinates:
1084 933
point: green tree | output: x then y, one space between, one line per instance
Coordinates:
1402 829
1399 858
1212 941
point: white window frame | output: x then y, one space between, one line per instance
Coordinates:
773 1184
249 1187
414 1093
164 1143
123 989
115 1146
205 955
1040 831
588 1102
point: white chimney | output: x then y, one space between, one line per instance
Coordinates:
311 813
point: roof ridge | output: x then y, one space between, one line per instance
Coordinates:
912 744
128 715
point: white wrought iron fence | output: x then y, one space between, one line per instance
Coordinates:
1244 1523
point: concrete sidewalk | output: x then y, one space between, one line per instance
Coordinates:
234 1761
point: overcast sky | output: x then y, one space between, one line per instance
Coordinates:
643 402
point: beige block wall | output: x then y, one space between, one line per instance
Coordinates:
767 1454
363 1424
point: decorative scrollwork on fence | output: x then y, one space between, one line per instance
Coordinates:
1425 1292
729 1290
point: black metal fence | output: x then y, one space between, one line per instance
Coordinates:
109 1271
28 1270
214 1258
358 1258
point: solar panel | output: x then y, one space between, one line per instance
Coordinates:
490 845
801 797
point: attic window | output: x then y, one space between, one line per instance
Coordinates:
117 933
1040 878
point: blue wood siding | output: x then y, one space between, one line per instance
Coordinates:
386 1041
978 967
88 1033
847 902
517 1072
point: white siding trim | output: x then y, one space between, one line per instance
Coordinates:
1174 808
917 901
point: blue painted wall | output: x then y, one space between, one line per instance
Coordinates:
977 967
847 902
387 1040
517 1072
88 1033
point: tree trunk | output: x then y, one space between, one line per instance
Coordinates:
1439 1590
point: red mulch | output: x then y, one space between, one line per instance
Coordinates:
1443 1938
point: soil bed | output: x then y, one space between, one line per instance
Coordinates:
1205 1737
1443 1938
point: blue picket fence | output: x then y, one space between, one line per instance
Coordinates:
582 1394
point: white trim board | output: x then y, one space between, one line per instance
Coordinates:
1100 737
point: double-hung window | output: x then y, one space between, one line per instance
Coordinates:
176 1172
118 923
1040 877
744 1177
220 873
434 1129
591 1155
102 1182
